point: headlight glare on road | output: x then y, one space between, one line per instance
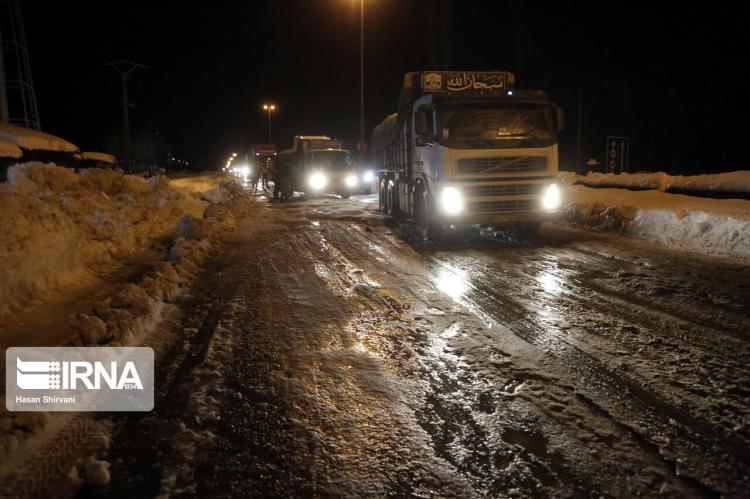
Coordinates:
551 199
350 180
451 200
317 181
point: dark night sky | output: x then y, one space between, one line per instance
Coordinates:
673 79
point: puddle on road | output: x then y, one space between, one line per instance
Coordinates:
452 282
549 282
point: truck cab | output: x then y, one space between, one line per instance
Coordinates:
467 148
320 165
331 170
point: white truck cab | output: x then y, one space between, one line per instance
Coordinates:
466 148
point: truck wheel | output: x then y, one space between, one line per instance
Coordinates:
382 202
392 209
429 228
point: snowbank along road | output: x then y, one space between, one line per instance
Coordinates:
327 355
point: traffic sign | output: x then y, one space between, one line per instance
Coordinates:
618 154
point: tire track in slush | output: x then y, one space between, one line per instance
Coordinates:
634 402
458 424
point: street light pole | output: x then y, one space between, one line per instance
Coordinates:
269 108
362 76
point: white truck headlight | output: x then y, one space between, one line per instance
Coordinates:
368 176
451 200
551 199
350 180
317 181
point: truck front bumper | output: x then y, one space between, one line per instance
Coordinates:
473 218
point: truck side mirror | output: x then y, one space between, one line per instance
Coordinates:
559 118
420 122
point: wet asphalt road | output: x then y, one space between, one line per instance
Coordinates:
323 353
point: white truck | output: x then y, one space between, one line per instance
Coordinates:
466 147
318 165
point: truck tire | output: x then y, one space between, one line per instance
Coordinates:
392 203
382 200
430 229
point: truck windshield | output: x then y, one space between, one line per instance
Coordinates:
331 160
495 125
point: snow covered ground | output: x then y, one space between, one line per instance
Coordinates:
59 227
332 358
69 245
321 354
710 226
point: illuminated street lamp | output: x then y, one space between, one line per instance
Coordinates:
361 145
269 108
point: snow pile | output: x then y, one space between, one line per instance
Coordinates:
711 226
136 309
9 150
738 181
567 178
99 156
726 182
635 181
59 227
34 140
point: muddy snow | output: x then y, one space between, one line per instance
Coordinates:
321 352
332 357
97 258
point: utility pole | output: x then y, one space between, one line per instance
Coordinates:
124 68
579 127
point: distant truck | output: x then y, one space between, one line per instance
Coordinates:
466 147
318 164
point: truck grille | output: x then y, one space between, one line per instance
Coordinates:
473 191
500 206
503 164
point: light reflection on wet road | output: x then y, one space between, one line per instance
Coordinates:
567 348
575 364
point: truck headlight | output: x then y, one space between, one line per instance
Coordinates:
551 199
350 180
317 181
368 176
451 200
